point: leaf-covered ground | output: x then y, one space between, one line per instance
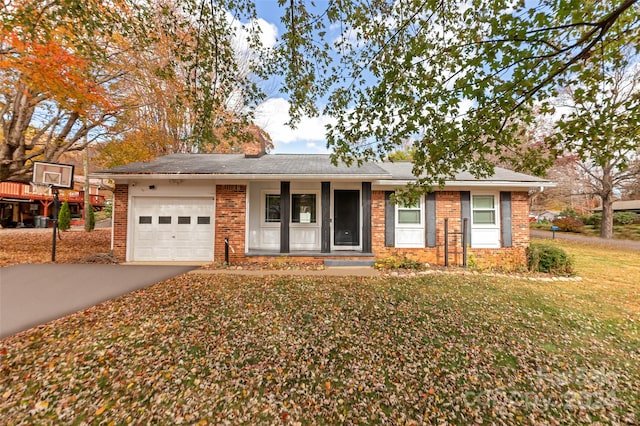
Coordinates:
204 349
34 246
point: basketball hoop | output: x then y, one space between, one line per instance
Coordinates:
54 175
46 180
41 189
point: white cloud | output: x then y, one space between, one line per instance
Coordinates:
273 114
268 32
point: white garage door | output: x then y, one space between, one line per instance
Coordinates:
173 229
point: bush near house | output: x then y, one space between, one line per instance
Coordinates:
569 224
90 226
64 217
625 218
550 259
619 218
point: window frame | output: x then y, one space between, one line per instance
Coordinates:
316 214
419 207
265 206
495 210
410 235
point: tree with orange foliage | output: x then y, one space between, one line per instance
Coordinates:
57 61
150 76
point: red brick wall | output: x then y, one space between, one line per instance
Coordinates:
230 221
120 215
509 258
377 222
231 203
520 218
448 206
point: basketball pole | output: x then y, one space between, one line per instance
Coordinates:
55 223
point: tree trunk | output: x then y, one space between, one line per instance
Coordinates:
606 225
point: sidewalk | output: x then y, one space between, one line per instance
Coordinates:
333 271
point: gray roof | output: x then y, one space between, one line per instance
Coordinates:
238 164
293 165
623 205
402 170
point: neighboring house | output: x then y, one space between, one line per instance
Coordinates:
548 215
623 206
183 207
21 205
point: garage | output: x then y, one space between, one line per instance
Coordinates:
172 229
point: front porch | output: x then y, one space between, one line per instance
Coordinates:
335 258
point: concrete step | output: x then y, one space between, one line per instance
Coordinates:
349 262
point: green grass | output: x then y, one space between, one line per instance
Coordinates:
622 232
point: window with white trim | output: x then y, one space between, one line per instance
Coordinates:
484 210
272 208
409 215
409 226
485 221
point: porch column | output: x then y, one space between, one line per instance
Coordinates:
325 230
285 213
366 217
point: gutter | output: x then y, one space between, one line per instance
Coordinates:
472 183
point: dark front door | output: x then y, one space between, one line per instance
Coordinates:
346 217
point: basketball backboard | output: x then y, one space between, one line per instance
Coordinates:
53 174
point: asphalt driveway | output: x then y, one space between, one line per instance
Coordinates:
31 295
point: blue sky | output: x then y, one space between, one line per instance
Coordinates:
271 115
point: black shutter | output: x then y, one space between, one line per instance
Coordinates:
325 232
389 220
285 214
431 219
366 217
506 223
465 212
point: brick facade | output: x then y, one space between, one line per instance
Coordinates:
509 258
230 222
448 206
120 215
231 207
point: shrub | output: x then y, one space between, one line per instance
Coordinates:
569 212
593 220
64 217
90 224
569 224
549 259
394 262
624 218
108 209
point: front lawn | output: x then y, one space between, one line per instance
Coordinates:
621 232
266 350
